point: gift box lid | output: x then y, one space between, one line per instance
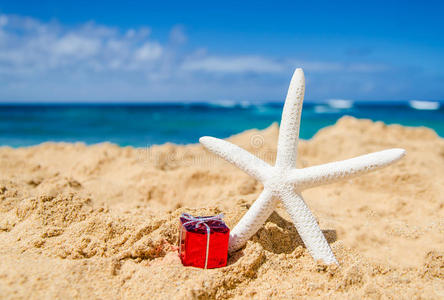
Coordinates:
197 224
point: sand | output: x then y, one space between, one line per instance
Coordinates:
101 221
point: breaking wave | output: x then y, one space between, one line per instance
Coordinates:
340 103
424 105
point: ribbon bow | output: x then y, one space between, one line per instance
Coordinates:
200 220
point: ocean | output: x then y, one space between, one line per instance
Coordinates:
142 125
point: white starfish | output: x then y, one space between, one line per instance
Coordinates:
283 181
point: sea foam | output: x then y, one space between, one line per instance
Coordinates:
424 105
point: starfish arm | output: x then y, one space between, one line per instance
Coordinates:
252 221
307 227
241 158
291 118
336 171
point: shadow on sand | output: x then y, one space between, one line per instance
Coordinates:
279 236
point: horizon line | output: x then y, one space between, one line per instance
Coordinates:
226 103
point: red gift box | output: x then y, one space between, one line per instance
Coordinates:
203 241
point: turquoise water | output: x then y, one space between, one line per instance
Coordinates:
148 124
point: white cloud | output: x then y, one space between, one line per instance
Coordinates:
3 20
177 35
75 45
258 64
49 61
28 46
240 64
367 68
320 66
149 51
328 67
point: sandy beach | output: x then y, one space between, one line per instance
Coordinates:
101 221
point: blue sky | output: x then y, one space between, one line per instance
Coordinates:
114 51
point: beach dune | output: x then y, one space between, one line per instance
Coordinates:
101 221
